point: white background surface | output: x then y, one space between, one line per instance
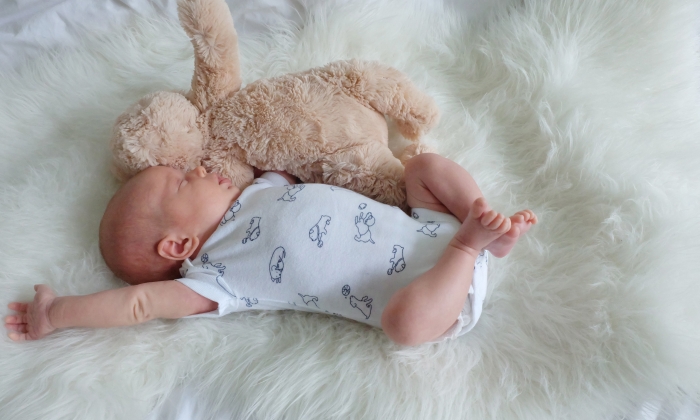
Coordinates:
31 27
28 27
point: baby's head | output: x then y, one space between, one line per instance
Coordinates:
159 218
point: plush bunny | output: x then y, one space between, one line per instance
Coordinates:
322 125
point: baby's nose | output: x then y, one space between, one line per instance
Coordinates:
199 171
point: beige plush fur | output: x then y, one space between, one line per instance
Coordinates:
323 125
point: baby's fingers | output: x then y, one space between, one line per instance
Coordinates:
18 306
16 319
19 337
17 327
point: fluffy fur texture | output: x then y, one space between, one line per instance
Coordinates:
584 111
322 125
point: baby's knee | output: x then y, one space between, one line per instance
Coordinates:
423 162
421 172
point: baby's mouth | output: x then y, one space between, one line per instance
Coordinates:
223 180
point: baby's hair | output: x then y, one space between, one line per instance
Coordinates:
129 234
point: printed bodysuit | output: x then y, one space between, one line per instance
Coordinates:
321 248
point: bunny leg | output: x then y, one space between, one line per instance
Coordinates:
217 70
388 91
369 169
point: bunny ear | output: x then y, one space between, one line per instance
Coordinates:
217 71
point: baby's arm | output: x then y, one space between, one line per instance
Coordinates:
110 308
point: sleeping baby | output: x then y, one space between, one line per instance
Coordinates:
193 244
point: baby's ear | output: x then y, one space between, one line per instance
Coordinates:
177 247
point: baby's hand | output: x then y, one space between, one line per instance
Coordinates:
32 321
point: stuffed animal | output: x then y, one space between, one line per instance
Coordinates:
324 125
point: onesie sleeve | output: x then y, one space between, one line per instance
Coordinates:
203 282
273 179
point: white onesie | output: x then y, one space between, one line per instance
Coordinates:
321 248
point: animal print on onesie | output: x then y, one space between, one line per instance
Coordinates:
313 247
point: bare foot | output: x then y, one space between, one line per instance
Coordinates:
520 223
481 227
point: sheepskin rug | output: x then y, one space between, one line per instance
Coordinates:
584 111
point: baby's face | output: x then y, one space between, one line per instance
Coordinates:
192 201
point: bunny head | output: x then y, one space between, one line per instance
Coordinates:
160 129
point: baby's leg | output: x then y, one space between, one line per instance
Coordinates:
429 305
437 183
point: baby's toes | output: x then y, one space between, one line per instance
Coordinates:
533 217
504 225
488 217
528 216
517 218
499 224
495 223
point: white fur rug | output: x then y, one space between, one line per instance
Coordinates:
584 111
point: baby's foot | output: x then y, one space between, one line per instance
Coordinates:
481 227
520 223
